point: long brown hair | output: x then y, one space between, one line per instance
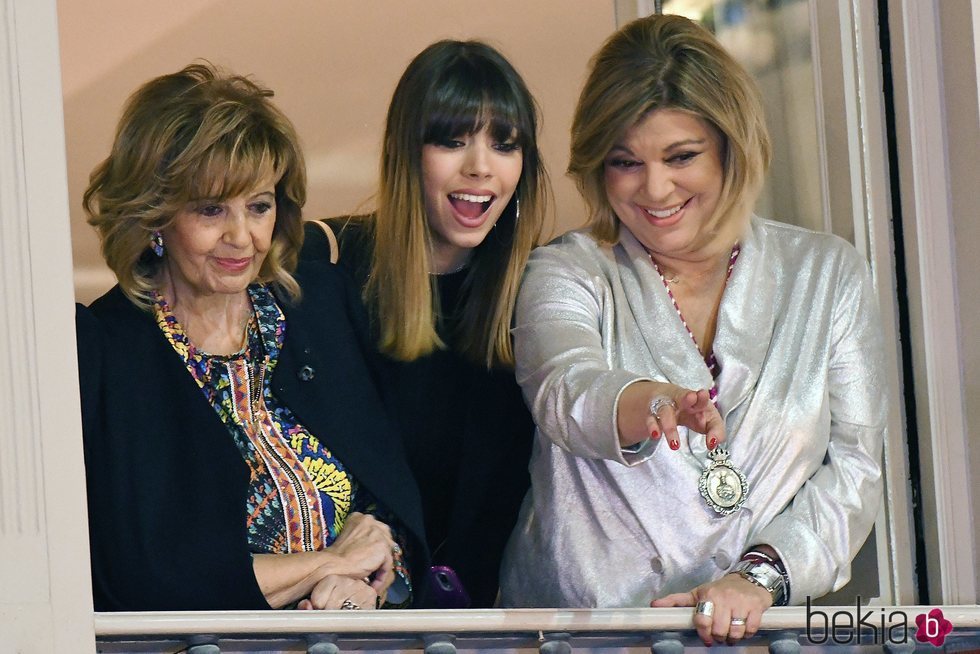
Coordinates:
452 88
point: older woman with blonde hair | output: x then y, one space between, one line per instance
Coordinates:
748 347
230 407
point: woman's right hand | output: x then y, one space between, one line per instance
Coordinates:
679 407
333 591
363 552
694 410
366 545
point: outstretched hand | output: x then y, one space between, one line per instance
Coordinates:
650 409
691 409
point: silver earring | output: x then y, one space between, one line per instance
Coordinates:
517 209
156 243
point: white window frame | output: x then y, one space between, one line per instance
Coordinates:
926 184
848 78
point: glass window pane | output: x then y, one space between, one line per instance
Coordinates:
771 38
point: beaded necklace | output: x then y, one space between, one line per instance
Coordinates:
709 359
722 485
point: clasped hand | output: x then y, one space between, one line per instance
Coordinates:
354 572
367 547
333 590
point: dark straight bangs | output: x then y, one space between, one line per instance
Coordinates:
473 93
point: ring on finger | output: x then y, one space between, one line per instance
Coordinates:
738 622
348 605
658 403
705 608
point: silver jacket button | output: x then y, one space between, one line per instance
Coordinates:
306 373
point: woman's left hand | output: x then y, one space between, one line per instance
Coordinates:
339 592
733 598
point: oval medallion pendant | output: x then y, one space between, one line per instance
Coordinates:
722 485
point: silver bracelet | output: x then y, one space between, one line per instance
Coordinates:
765 575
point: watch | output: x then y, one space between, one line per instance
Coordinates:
766 576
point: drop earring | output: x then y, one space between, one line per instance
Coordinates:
156 243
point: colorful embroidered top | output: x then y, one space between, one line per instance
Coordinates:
299 493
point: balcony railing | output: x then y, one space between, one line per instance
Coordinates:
662 631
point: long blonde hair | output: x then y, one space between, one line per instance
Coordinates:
197 133
452 88
669 62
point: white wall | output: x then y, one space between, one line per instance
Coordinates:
333 66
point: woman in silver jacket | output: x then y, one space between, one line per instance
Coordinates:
749 346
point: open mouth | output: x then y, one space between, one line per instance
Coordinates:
471 206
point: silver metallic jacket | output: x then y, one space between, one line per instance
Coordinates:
802 392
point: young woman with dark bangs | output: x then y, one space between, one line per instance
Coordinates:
460 204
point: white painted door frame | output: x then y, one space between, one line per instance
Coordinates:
46 603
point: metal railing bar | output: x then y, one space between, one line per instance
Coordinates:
514 621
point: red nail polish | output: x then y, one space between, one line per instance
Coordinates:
675 445
655 434
713 443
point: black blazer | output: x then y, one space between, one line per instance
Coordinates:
495 436
166 483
